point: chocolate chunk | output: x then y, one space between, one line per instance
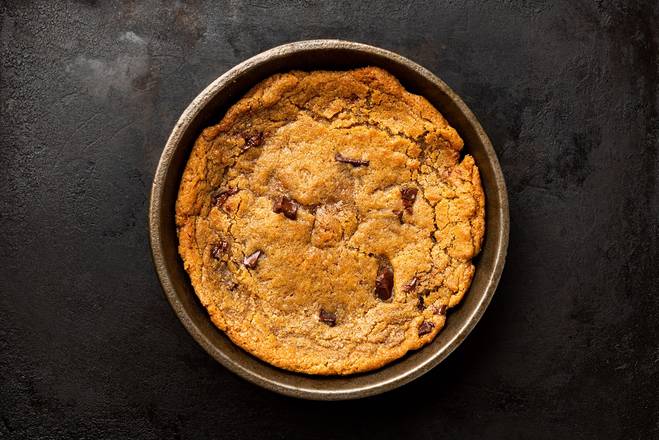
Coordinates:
425 328
384 282
328 318
420 305
286 206
441 310
218 249
251 261
409 196
354 162
399 213
222 195
411 285
252 140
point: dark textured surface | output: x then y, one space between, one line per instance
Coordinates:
568 94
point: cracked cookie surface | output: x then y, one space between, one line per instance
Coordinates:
328 223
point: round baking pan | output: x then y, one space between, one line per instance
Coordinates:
211 104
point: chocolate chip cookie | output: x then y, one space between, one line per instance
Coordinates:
328 222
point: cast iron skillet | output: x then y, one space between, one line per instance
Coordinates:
211 104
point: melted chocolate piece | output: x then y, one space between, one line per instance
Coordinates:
251 261
409 196
420 305
354 162
425 328
441 310
411 285
218 249
399 213
286 206
222 195
328 318
384 281
252 140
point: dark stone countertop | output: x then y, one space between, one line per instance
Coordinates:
567 90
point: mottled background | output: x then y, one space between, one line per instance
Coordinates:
567 90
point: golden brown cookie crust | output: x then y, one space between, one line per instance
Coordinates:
337 178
